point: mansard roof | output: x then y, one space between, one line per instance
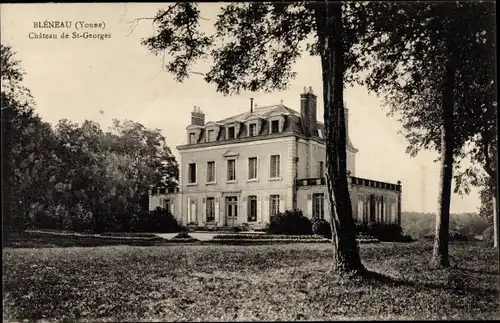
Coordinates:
292 124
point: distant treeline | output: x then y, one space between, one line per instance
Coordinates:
419 224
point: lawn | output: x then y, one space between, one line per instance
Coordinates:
228 283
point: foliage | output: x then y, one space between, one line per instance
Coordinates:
381 231
74 176
419 225
291 222
453 236
321 227
125 283
404 58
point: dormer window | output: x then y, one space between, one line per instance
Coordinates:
252 129
210 135
192 138
231 132
275 126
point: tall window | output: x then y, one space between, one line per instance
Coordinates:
210 135
321 169
275 126
373 205
275 166
210 172
192 138
210 209
252 208
230 132
274 205
231 169
192 173
361 208
319 206
252 168
252 129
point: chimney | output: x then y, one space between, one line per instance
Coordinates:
308 112
251 105
197 117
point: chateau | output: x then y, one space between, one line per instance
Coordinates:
244 169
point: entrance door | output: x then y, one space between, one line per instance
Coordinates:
231 211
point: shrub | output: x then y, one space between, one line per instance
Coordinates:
321 227
159 220
453 236
291 222
381 231
182 235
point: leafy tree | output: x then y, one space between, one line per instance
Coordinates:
27 147
254 48
436 72
107 174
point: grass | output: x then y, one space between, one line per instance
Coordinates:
34 239
262 282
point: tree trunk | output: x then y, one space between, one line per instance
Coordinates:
345 247
440 256
495 218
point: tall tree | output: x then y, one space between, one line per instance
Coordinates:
435 70
254 48
27 146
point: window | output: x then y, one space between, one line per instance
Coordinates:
192 173
210 209
319 206
320 133
373 205
231 207
274 205
166 204
361 208
210 135
394 218
192 138
231 169
210 172
252 130
321 169
230 132
275 126
252 208
275 166
252 168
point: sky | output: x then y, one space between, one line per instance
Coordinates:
118 78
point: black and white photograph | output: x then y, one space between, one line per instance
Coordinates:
249 161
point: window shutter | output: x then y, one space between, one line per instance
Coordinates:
265 212
189 210
172 205
259 209
309 206
194 216
282 203
204 206
216 210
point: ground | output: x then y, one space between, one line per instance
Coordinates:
227 283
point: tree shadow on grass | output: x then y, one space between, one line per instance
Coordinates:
478 271
456 286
